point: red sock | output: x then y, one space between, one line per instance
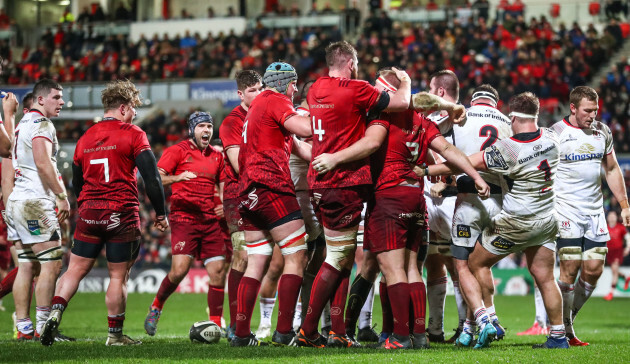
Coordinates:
166 289
234 279
247 293
399 299
115 323
216 294
338 304
323 287
388 319
418 293
6 286
58 303
288 292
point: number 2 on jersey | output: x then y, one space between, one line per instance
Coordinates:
105 164
491 133
544 166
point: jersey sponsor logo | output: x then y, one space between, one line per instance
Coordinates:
33 227
409 215
253 199
115 221
463 231
585 152
95 222
537 147
502 243
316 198
601 232
189 160
494 159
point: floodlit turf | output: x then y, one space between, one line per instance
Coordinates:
604 324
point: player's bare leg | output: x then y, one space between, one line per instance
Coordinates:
180 265
540 262
614 267
268 288
116 302
49 253
393 264
216 274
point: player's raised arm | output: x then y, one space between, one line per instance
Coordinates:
426 103
400 100
9 105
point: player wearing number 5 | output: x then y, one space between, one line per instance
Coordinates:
105 182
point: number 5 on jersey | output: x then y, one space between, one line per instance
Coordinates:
105 164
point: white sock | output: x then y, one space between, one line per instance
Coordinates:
436 295
492 313
266 310
324 320
469 326
557 331
541 312
481 317
24 325
365 317
297 317
42 315
462 307
567 302
583 290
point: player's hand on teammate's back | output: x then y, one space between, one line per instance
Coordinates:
625 217
436 189
324 163
482 188
10 103
457 114
186 175
63 209
161 223
218 210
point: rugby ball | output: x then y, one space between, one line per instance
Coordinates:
205 332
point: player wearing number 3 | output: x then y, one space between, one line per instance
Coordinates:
104 179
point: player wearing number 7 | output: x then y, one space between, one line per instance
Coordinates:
105 182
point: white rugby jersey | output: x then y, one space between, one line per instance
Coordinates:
484 126
298 166
530 161
579 180
445 126
28 184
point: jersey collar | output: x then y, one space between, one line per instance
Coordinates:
36 111
527 137
566 121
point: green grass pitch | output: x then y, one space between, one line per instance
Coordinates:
606 325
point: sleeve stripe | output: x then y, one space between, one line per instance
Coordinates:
41 136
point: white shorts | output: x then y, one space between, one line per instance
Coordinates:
508 233
33 221
573 225
311 224
472 216
440 212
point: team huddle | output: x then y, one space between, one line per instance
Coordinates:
418 180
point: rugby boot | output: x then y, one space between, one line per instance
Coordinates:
383 337
325 332
574 341
368 334
436 339
464 340
151 321
500 330
250 340
61 337
288 339
486 336
553 343
536 329
318 342
394 342
420 341
120 340
341 341
25 337
458 331
51 328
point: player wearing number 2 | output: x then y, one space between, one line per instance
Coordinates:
104 179
484 126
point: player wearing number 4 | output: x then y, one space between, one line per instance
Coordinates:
104 179
193 168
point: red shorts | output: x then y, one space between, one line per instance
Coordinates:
5 256
98 226
197 238
225 234
396 219
263 209
614 255
339 208
232 216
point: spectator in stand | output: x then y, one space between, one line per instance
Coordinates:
210 12
431 5
122 13
67 16
85 16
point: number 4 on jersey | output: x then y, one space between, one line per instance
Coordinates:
317 130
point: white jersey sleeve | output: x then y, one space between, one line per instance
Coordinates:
579 180
298 166
484 126
28 183
529 165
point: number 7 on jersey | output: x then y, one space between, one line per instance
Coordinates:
105 164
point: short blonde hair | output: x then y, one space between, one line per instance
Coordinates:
120 92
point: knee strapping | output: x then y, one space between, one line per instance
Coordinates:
50 255
596 253
335 254
262 247
238 240
26 255
570 253
295 242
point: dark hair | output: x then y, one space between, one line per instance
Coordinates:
28 100
526 103
489 89
447 80
247 78
582 92
43 87
339 52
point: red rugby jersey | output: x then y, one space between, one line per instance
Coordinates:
193 198
107 155
231 134
338 108
617 234
266 145
407 142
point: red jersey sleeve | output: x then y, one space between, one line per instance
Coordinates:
366 95
383 123
231 133
169 160
140 143
221 175
282 109
430 129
